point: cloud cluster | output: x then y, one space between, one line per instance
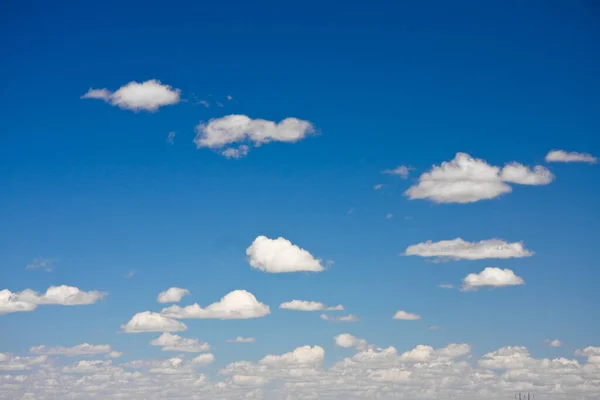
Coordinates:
466 180
239 304
170 342
459 249
149 95
570 156
219 133
302 305
29 300
280 255
492 277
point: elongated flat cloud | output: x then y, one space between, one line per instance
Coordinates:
301 356
458 249
466 180
406 316
219 133
402 171
29 300
241 339
491 277
238 304
83 349
345 318
302 305
172 295
570 156
149 95
170 342
280 255
149 321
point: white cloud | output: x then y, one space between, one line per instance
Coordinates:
203 359
114 354
148 321
149 95
379 186
591 352
28 300
83 349
554 343
458 249
238 304
301 356
346 340
47 264
229 97
171 342
221 132
241 339
172 295
573 156
389 216
446 286
492 277
302 305
171 138
345 318
402 171
466 179
9 362
406 316
280 255
236 152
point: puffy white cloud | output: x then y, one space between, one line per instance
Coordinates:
492 277
553 343
508 357
203 359
9 362
458 249
83 349
346 340
114 354
241 339
280 255
149 321
238 304
301 356
172 295
171 342
572 156
345 318
466 179
149 95
401 170
406 316
302 305
221 132
28 300
591 352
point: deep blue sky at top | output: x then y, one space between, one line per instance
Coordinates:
385 83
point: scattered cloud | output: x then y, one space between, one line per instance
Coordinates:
172 295
406 316
241 339
131 273
572 156
219 104
28 300
345 318
229 97
491 277
466 179
402 171
219 133
379 186
149 96
446 286
280 255
84 349
459 249
205 103
238 304
47 264
171 137
301 305
236 152
149 321
170 342
553 343
389 216
433 328
346 340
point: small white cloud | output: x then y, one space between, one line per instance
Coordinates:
171 342
379 186
172 295
84 349
241 339
345 318
301 305
149 95
458 249
28 300
346 340
433 328
301 356
402 171
229 97
238 304
171 138
203 360
553 343
491 277
280 255
389 216
236 152
221 132
446 286
406 316
149 321
205 103
46 264
518 173
114 354
573 156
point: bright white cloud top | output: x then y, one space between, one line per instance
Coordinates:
492 277
302 305
172 295
149 321
280 255
219 133
136 96
239 304
83 349
466 180
170 342
570 156
29 300
406 316
459 249
301 356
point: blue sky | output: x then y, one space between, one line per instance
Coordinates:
99 191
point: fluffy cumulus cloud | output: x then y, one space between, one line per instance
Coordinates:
149 95
347 340
172 295
170 342
29 300
302 305
280 255
149 321
224 133
238 304
466 180
84 349
459 249
302 356
241 339
491 277
406 316
592 353
570 156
